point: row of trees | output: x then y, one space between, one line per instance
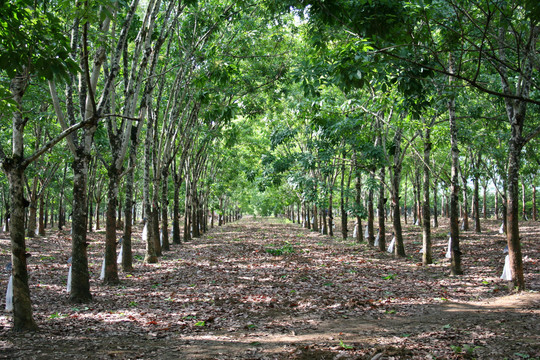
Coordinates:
444 91
128 96
195 107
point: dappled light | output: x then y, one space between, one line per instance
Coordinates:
228 292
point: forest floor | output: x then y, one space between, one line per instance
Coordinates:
267 289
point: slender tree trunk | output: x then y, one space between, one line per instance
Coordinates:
426 228
496 210
41 216
129 206
22 305
484 201
534 213
382 201
514 244
454 197
164 209
330 215
435 208
111 266
371 217
344 219
476 206
523 201
176 210
358 201
80 278
465 207
315 226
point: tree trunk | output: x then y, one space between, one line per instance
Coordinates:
111 266
514 245
41 216
435 208
330 216
523 201
80 279
476 205
454 195
399 248
315 226
371 217
382 201
426 228
176 210
164 209
534 213
465 207
358 201
496 210
22 305
484 201
344 219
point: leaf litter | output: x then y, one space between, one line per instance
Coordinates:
267 289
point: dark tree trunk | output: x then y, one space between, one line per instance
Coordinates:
111 266
344 219
476 206
22 305
426 228
176 211
484 201
80 278
523 201
358 201
41 216
534 213
381 208
512 210
164 210
371 218
454 195
315 226
435 208
465 207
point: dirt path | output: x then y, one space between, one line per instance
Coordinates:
269 290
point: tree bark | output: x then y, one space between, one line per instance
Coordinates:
426 208
381 208
111 266
455 268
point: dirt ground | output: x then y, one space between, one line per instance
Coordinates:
267 289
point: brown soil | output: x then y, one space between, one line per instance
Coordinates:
232 295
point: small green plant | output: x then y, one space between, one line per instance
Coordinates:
132 304
278 251
441 299
57 315
392 311
345 346
200 323
389 277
